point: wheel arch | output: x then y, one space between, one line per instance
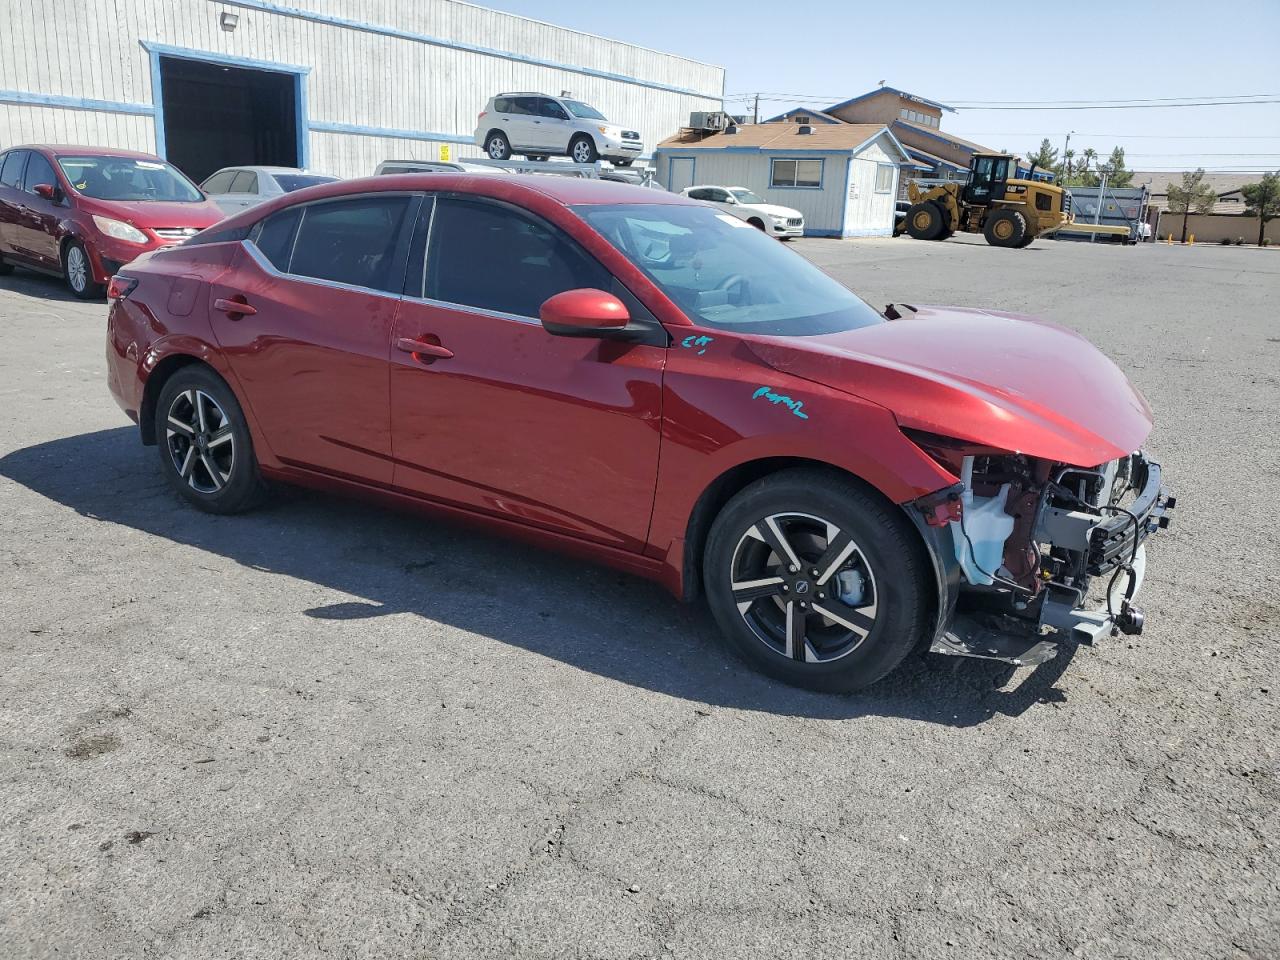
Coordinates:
731 482
161 374
492 131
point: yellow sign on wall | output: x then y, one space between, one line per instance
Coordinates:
444 150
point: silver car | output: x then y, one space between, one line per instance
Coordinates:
235 188
540 126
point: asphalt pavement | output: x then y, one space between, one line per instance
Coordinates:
328 730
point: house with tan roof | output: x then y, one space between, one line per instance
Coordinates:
915 121
843 177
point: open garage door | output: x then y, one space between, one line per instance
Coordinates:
221 116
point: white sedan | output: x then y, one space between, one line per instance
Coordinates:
237 188
782 222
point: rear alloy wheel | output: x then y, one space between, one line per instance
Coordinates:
583 150
79 272
926 221
814 581
205 448
1005 228
497 146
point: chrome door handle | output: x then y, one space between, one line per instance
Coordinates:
234 309
422 351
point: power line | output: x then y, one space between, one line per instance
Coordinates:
1163 103
1076 100
1139 136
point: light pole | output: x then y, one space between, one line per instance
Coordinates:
1104 170
1065 163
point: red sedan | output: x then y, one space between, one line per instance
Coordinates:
83 212
641 380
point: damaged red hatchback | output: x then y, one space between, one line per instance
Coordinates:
639 379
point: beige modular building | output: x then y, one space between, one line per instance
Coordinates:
842 177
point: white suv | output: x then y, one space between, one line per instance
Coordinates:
774 220
539 126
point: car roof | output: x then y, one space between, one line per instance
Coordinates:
531 189
266 169
71 150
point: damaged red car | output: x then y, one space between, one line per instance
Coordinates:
641 380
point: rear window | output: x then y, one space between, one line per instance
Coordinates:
290 182
11 170
220 182
274 237
350 241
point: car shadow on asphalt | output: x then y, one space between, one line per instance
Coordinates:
39 285
583 615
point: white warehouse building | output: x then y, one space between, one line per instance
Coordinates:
335 86
843 177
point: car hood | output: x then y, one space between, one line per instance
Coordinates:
997 379
772 209
157 213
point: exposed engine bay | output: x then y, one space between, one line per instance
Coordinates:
1034 542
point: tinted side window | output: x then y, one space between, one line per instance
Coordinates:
351 241
491 257
527 106
274 237
245 182
11 172
502 104
39 170
549 108
700 194
220 182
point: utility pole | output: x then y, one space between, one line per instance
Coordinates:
756 115
1102 192
1066 164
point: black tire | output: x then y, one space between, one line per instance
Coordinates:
78 270
1005 228
1026 241
5 268
216 475
887 563
497 146
926 221
582 149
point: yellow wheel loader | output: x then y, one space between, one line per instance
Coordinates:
995 202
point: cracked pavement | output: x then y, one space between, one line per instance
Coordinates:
325 729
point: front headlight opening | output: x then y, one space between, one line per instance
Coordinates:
119 229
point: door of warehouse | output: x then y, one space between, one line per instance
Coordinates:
681 174
215 115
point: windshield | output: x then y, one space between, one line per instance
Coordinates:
126 178
581 110
724 273
290 182
745 196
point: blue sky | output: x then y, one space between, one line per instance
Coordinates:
1111 51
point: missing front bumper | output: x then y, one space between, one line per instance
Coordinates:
1112 547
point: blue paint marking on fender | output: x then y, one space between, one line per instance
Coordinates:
693 340
795 406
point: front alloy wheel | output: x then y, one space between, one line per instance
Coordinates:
80 273
817 580
803 587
